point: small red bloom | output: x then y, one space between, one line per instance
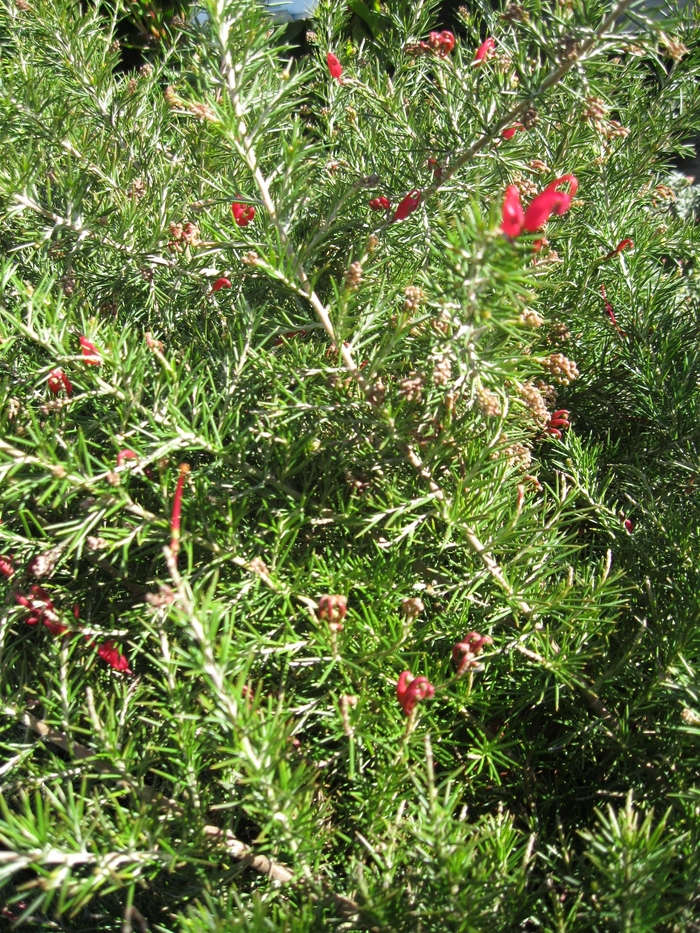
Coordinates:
441 42
512 212
177 509
334 66
628 525
221 283
465 652
410 689
109 653
6 567
242 213
435 166
380 204
91 355
511 131
41 609
408 205
623 244
332 608
485 50
126 454
58 380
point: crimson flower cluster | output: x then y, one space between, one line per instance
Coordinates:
380 204
58 380
466 651
441 43
558 422
40 609
242 213
548 202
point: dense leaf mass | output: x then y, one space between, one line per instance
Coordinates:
348 543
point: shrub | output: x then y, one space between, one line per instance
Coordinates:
350 542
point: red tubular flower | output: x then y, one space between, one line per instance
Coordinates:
242 213
512 213
177 510
550 201
511 131
109 653
558 422
334 66
91 355
628 525
408 205
485 50
380 204
410 689
221 283
465 652
126 454
623 244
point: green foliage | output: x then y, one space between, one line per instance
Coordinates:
365 410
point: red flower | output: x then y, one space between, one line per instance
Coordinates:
512 212
435 166
222 282
334 66
91 355
558 422
623 244
242 213
628 525
549 202
409 204
332 609
483 53
465 652
511 131
177 509
41 609
6 567
126 455
58 380
380 204
410 689
111 655
441 42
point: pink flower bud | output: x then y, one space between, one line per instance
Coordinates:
380 204
332 608
126 454
6 567
628 525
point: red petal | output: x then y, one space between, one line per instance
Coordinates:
408 205
512 213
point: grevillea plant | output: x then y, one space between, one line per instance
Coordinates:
349 471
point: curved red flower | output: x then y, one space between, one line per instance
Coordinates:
511 131
410 689
408 205
223 282
485 50
109 653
